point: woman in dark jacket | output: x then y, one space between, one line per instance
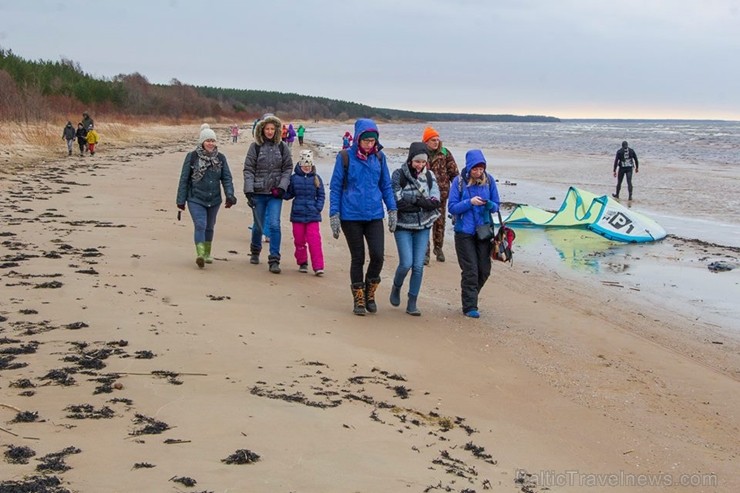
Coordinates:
473 196
267 169
204 172
417 198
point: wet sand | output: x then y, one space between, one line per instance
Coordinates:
159 375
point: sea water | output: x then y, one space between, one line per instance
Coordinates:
688 182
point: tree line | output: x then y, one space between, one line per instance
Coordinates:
38 90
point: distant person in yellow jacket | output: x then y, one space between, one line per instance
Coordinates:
92 139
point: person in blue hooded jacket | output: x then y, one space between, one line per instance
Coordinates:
473 196
357 193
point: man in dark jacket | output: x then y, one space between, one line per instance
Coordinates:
625 160
69 134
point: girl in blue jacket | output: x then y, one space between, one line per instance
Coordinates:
473 196
307 191
360 184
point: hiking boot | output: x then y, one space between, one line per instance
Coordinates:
274 263
411 307
319 272
207 252
395 294
254 255
303 268
358 294
439 254
200 249
616 196
370 286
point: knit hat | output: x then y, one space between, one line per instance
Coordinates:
306 158
429 133
369 135
204 126
625 145
206 134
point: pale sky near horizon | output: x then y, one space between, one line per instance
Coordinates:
563 58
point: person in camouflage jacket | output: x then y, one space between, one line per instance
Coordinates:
444 167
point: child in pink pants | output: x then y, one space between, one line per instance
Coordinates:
307 191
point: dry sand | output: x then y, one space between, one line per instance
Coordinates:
185 367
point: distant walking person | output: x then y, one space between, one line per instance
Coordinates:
92 139
68 135
417 199
360 185
625 160
444 167
300 133
87 122
81 135
473 196
234 133
204 172
291 136
346 140
307 191
267 170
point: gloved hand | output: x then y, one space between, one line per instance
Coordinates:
250 199
429 203
230 200
392 221
181 207
277 192
336 225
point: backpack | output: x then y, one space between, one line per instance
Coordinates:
345 165
281 146
503 242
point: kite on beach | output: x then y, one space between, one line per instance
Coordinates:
599 213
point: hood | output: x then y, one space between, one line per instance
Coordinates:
364 125
299 171
259 139
69 124
473 157
417 148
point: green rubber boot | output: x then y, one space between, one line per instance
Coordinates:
207 252
200 250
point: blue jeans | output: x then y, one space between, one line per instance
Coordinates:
412 248
204 220
267 211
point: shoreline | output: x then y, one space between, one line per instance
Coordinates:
543 382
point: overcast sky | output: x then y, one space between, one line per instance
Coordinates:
564 58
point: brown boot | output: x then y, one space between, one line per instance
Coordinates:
439 254
370 286
358 293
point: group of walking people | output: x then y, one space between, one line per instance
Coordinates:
364 199
85 134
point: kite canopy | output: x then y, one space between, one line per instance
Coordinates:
599 213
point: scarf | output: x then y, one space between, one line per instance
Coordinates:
205 160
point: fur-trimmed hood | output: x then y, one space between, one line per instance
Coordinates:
259 139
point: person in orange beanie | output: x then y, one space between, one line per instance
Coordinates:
444 167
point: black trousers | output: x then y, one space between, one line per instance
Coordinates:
624 171
357 233
474 258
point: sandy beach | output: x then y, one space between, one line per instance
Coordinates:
140 372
